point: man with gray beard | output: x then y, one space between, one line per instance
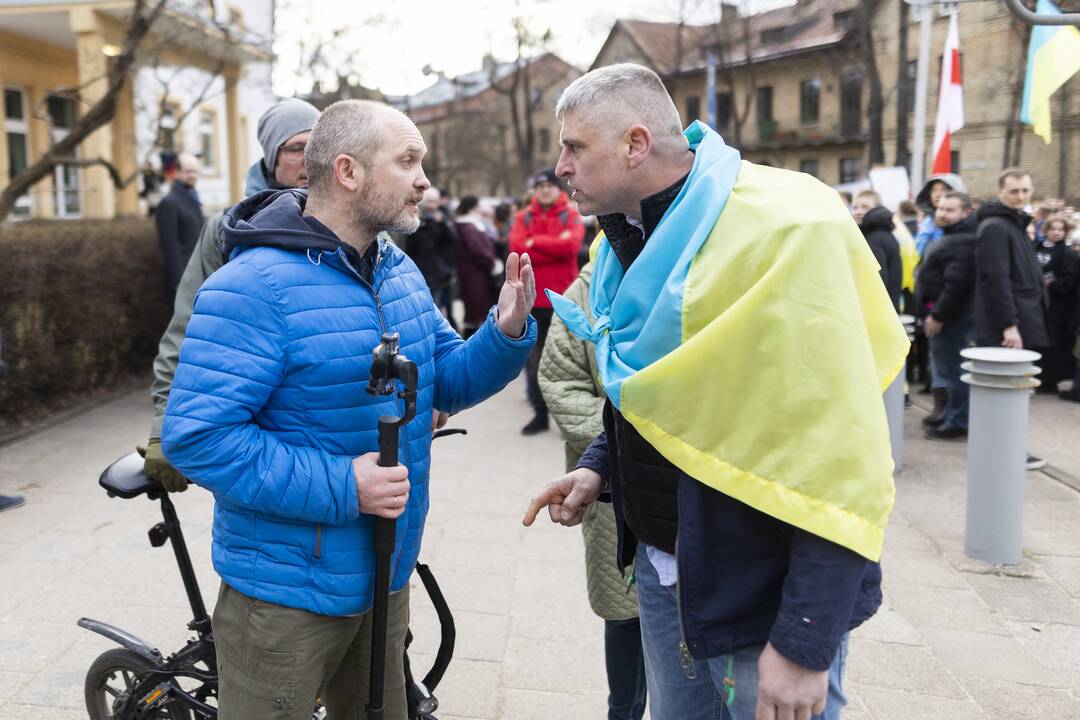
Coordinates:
268 411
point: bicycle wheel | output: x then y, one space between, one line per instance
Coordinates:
110 680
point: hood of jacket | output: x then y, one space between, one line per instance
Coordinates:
878 218
995 208
275 218
955 182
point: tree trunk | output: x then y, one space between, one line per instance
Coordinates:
876 106
903 151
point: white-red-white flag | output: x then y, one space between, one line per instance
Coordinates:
950 109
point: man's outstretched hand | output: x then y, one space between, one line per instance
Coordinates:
566 498
517 295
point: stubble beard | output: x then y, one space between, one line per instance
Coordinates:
378 212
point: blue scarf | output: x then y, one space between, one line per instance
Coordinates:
639 312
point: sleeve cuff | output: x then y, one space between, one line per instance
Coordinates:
803 644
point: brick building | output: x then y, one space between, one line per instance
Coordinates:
802 100
474 144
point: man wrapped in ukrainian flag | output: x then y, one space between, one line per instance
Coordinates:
743 339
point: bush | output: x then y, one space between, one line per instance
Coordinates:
81 310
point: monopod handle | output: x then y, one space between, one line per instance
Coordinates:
388 451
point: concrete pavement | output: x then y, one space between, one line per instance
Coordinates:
953 640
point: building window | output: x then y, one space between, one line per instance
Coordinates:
809 102
766 124
18 142
909 84
67 190
208 141
954 160
810 167
849 170
842 20
773 35
169 127
723 112
851 103
693 109
545 141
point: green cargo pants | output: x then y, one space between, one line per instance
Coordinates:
275 662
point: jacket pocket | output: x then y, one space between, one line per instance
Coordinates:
317 554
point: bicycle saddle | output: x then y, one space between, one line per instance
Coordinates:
125 478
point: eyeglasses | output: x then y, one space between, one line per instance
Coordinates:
292 150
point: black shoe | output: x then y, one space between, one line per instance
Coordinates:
1034 463
946 432
930 421
537 425
9 502
1070 395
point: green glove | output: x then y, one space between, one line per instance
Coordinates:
158 468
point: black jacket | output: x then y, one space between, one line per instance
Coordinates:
179 219
433 247
1009 287
1061 268
946 276
877 226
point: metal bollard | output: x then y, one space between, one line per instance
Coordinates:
894 403
1000 380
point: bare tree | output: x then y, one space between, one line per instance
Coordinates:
864 42
143 17
903 93
733 38
517 87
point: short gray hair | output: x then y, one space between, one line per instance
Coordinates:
630 92
348 127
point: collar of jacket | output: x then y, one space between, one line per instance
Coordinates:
628 240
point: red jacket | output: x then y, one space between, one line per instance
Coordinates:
552 237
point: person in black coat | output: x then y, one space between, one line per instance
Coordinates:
946 282
876 224
1061 268
1010 297
179 218
433 247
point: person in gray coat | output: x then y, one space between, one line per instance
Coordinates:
283 133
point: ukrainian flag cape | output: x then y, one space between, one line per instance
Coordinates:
750 344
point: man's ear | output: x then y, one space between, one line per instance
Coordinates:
348 172
639 145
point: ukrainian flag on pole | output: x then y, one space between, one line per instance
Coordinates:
1053 58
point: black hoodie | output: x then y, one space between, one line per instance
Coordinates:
877 226
1009 287
947 275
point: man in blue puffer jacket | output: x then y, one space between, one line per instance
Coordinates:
268 411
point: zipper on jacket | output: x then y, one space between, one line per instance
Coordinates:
318 540
686 660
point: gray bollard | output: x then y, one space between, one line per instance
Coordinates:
1000 380
894 403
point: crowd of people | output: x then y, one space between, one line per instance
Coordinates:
999 272
746 515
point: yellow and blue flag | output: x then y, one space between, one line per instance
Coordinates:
1053 58
750 344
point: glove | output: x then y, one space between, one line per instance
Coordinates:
158 468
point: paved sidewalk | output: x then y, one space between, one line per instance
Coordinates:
954 641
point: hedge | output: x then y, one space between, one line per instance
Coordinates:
81 310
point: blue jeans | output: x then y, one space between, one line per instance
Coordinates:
625 669
675 696
946 347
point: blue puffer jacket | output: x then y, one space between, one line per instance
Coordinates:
268 407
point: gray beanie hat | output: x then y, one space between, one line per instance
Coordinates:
283 120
